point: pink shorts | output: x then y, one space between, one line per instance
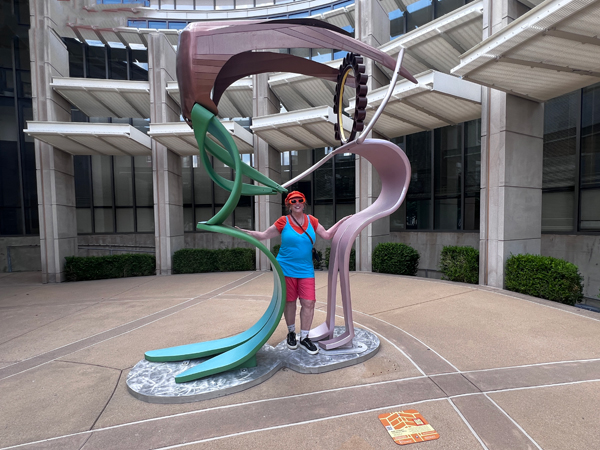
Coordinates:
303 288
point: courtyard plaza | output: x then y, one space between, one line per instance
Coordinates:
488 368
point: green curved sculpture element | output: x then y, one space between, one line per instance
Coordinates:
239 350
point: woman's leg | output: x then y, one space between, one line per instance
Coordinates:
290 313
307 313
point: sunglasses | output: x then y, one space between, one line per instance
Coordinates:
300 200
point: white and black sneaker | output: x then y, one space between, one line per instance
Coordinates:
307 345
291 341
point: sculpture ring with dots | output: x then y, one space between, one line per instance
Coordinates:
352 65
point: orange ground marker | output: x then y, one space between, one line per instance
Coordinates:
407 427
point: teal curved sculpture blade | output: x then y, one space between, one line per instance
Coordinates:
239 350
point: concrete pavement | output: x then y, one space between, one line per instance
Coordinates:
489 369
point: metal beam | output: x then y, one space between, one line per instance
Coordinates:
500 88
455 45
402 119
426 111
572 36
541 65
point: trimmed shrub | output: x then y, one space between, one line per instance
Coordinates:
396 258
235 259
460 264
544 277
201 260
194 260
352 258
78 268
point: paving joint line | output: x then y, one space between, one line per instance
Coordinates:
52 321
422 303
464 419
513 421
146 320
108 401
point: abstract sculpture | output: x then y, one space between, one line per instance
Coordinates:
213 55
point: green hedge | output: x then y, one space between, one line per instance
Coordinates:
396 258
460 264
316 265
352 258
199 260
79 268
544 277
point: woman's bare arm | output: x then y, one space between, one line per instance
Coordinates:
328 234
269 233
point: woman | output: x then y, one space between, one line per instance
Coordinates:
298 233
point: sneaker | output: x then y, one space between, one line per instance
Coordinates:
291 341
307 345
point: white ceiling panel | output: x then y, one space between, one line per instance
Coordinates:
549 51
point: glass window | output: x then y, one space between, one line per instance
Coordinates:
177 25
224 4
205 5
185 4
83 193
445 6
318 11
418 200
590 159
418 14
397 24
102 194
167 4
139 65
117 63
448 177
10 202
299 15
590 210
96 62
137 23
158 24
301 52
321 54
472 172
559 166
242 4
75 49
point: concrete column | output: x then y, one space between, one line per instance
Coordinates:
511 167
267 160
166 165
54 168
372 27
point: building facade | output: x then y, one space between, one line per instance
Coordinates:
503 136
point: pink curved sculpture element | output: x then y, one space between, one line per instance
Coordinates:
212 55
394 170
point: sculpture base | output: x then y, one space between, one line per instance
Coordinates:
154 382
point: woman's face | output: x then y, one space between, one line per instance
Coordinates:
296 207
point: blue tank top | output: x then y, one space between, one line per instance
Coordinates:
295 254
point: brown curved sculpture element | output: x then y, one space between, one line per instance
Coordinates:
215 54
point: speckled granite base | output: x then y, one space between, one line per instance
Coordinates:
154 382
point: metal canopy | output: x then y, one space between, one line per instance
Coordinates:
179 137
392 5
438 100
236 102
438 44
551 50
296 91
83 138
299 130
340 17
106 98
